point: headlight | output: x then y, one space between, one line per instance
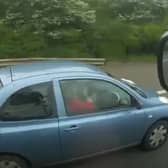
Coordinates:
163 100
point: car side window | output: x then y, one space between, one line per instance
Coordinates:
33 102
90 96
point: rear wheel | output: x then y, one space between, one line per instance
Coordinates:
12 162
156 136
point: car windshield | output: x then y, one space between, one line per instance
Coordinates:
130 84
136 89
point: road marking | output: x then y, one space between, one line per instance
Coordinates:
161 92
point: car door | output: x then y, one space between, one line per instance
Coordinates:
29 124
95 121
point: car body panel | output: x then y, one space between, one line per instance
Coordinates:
37 141
5 76
87 134
62 138
155 113
40 68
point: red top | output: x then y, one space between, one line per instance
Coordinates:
77 105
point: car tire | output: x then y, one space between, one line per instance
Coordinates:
156 136
12 162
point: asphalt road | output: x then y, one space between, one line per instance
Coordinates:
127 158
143 74
146 76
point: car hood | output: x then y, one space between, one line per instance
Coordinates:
151 96
154 99
150 93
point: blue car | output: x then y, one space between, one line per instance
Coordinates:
60 111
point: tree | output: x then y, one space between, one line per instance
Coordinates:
53 19
138 10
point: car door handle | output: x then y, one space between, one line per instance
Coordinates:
72 128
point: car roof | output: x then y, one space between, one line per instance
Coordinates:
27 70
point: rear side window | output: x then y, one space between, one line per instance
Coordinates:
33 102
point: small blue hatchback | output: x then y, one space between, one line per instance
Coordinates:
55 112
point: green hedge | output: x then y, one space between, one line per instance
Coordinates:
112 40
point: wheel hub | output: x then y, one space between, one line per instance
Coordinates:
158 136
9 164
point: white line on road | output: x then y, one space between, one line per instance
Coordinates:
161 92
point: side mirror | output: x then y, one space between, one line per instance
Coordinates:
162 61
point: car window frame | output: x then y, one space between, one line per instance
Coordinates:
54 103
115 110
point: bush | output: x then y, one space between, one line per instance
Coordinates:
20 44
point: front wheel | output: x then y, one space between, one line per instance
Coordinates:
156 136
12 162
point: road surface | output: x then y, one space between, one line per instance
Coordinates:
143 74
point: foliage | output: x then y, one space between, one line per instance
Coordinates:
50 18
19 44
81 28
138 10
